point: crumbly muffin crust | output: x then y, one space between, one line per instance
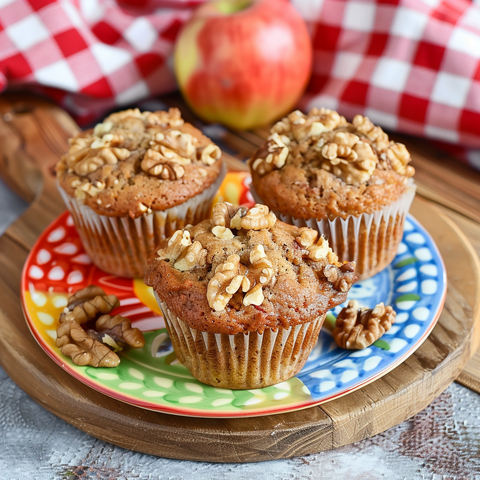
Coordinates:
244 271
135 162
321 166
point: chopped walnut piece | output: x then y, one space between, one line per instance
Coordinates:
75 343
102 128
341 278
258 218
321 249
88 188
223 233
299 126
177 243
236 221
358 328
348 158
164 163
307 237
181 143
375 134
231 277
225 283
254 296
400 159
184 254
108 140
95 159
87 303
341 148
261 264
276 155
210 154
172 118
119 330
222 213
194 255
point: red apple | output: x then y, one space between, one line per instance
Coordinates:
243 63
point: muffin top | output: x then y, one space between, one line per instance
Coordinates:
321 166
135 162
242 271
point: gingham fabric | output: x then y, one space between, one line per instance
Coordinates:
410 65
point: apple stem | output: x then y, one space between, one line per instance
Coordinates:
232 6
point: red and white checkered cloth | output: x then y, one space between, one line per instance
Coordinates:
410 65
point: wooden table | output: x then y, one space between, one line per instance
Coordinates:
442 430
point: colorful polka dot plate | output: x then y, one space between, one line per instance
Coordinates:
152 377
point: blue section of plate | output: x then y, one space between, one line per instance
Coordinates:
414 284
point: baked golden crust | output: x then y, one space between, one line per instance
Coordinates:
321 166
134 162
266 274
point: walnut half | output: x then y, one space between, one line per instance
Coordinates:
84 305
92 347
75 343
357 328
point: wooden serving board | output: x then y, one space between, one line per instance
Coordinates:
33 134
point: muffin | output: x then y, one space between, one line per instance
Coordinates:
346 180
244 296
133 181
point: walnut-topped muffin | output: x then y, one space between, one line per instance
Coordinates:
240 273
320 169
132 180
135 161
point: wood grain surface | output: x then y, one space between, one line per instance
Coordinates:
33 135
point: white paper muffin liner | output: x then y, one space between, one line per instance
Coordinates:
244 360
122 245
369 239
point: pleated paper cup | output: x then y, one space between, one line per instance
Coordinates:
369 239
244 360
121 245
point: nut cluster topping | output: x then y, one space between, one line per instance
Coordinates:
350 151
128 143
240 279
375 134
293 130
95 347
358 328
348 158
229 278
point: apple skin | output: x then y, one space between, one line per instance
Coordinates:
247 68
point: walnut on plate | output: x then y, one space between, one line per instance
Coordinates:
84 305
357 328
74 342
92 347
117 332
